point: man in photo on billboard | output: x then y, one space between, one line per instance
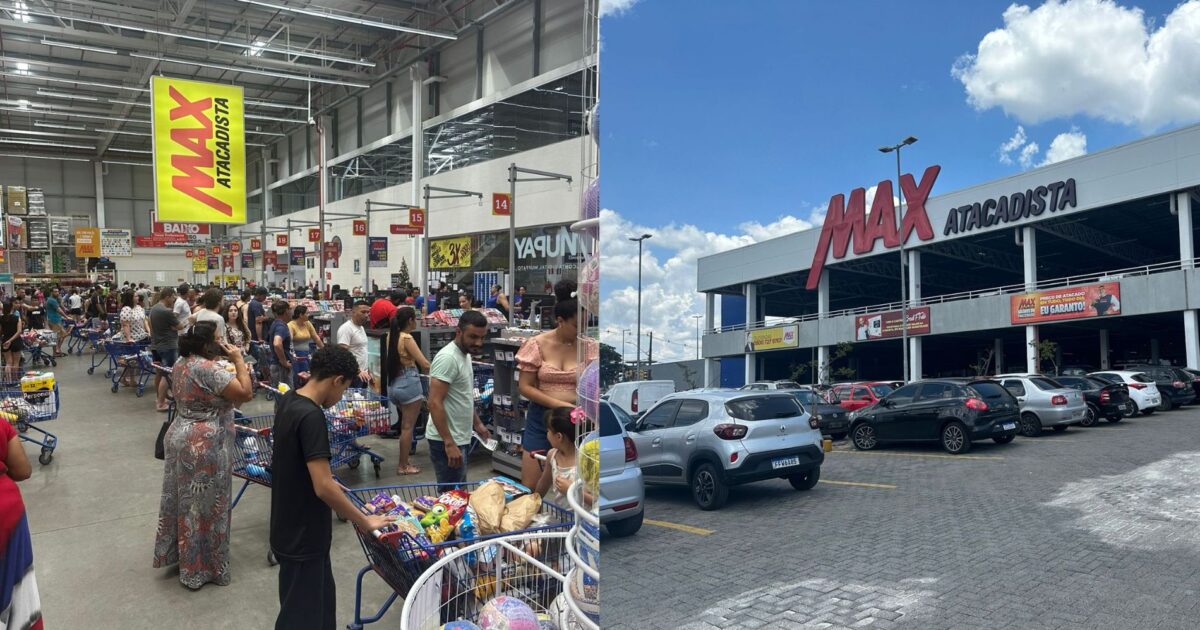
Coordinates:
452 414
1106 302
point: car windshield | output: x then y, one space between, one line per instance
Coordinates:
610 415
881 390
786 385
763 408
988 390
1141 378
1044 384
1098 382
1183 375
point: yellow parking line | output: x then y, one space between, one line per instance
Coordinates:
860 484
699 531
989 458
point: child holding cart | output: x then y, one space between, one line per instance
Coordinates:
303 492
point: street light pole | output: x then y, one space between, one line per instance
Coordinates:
638 359
903 269
697 319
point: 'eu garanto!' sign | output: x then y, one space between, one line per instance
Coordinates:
199 151
777 338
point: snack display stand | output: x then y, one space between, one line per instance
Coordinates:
508 406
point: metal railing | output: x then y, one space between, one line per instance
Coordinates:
1008 289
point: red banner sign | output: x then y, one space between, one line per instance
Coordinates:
182 229
1082 302
416 223
227 261
501 204
314 235
160 240
255 244
270 259
281 240
887 325
360 227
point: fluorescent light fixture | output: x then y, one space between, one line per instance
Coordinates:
256 49
107 51
350 19
146 164
255 144
47 134
22 68
44 143
299 108
21 11
56 158
68 114
23 104
124 133
129 150
265 73
77 97
267 133
273 119
123 102
46 125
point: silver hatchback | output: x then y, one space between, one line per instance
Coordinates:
1045 404
711 440
622 495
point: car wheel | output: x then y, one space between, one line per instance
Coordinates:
1114 419
626 526
954 438
1030 426
1165 405
1059 428
838 436
807 480
864 437
1089 419
1148 411
1003 439
708 488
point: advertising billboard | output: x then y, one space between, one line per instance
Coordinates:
377 251
886 325
1082 302
775 338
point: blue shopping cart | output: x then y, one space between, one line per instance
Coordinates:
24 409
130 365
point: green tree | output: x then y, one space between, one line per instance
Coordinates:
827 373
404 280
1046 351
612 369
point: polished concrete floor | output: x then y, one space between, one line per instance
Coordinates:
93 513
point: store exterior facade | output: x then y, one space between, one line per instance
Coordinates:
1095 254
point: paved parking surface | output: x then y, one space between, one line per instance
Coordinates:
1091 528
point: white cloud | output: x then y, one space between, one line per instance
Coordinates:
1028 153
614 8
669 297
1012 144
1066 146
1090 57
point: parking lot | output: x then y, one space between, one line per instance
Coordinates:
1090 528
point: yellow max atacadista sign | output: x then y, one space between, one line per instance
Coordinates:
777 338
199 151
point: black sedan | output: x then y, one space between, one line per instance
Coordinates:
952 411
1104 400
832 419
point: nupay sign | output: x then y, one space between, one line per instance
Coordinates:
199 151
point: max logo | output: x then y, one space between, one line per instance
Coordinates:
844 222
1026 304
196 183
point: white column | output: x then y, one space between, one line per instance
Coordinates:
1183 212
710 300
915 364
822 313
998 356
751 319
1104 364
1191 340
1029 260
99 166
418 72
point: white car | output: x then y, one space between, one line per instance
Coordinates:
1143 392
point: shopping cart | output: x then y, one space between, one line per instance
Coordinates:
252 456
359 413
532 568
36 344
261 376
400 560
25 408
85 336
129 365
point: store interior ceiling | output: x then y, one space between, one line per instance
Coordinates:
75 74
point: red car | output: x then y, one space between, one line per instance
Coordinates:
855 396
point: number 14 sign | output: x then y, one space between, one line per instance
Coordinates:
501 204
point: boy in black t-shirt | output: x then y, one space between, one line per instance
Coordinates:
303 491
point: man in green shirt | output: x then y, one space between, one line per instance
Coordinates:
452 401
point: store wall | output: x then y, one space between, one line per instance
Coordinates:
537 203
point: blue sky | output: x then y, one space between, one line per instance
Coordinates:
725 122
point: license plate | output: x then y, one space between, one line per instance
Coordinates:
785 462
1009 426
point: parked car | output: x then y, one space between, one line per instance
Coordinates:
1075 370
1195 382
712 440
831 418
1044 403
770 385
1104 400
952 411
1143 392
855 396
637 396
622 494
1174 384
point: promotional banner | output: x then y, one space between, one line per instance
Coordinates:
1090 300
87 242
247 260
167 234
332 252
776 338
270 259
296 258
415 225
501 204
116 243
227 261
199 151
887 325
199 264
450 253
213 262
377 251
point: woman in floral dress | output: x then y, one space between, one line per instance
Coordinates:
209 380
